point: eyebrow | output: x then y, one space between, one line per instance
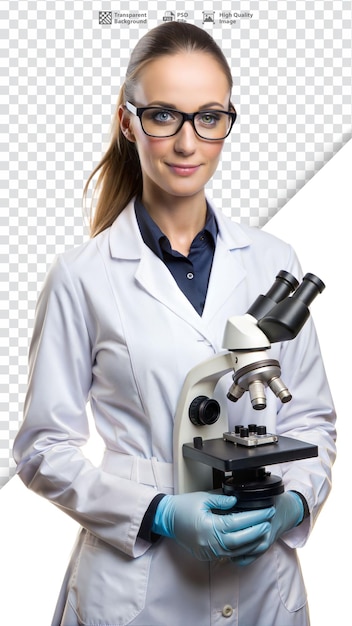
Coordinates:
168 105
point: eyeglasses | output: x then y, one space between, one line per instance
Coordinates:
211 124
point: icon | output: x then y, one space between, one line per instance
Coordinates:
169 16
105 17
208 16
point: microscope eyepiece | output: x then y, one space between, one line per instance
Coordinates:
283 285
309 288
286 318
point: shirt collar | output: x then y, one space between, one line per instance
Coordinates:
153 237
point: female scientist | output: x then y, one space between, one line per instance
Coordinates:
119 323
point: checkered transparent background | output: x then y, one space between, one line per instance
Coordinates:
61 72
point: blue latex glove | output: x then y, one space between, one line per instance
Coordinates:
289 512
188 519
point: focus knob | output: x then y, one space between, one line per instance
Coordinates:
204 411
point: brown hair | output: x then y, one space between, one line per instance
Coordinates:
120 175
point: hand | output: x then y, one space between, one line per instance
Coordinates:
189 520
289 512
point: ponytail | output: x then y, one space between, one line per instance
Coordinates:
119 180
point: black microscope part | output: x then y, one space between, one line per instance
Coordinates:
287 317
283 285
204 411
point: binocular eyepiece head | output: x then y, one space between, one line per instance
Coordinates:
286 318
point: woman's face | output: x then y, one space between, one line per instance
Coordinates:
182 164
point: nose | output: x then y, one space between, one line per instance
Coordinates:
186 139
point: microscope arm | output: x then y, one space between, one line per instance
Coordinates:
200 382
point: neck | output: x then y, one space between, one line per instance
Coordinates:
180 219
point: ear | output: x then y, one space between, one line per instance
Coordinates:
125 124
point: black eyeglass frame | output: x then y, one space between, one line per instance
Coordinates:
186 117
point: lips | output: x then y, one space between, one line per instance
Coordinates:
183 169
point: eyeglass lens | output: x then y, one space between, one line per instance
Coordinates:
164 122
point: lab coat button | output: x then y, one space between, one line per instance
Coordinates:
227 610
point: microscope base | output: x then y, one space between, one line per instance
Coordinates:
253 488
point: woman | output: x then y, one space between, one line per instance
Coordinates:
120 322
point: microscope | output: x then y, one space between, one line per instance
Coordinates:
207 455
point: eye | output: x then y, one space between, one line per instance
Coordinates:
162 116
208 118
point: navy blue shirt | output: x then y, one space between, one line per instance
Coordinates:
190 272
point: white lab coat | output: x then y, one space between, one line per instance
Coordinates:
112 327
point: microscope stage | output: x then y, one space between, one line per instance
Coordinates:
227 456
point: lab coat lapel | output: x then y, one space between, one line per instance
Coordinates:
153 276
227 271
151 273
